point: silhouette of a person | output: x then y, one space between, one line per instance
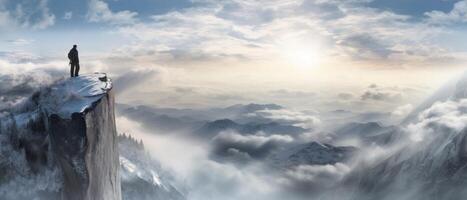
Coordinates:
74 61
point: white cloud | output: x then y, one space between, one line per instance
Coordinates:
263 30
20 41
203 178
28 14
384 94
458 14
443 117
318 175
99 11
193 35
68 15
237 148
288 117
255 140
402 111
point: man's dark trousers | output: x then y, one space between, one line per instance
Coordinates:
74 69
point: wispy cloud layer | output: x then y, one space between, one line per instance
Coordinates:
261 30
458 14
99 11
280 45
26 14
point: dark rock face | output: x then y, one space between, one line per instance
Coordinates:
62 143
85 147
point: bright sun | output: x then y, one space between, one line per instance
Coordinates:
305 55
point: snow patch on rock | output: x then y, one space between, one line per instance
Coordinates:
75 95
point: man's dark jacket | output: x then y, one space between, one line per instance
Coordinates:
73 55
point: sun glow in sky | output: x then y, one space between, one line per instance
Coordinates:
304 56
309 53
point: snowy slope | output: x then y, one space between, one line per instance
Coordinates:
142 177
75 95
431 162
454 88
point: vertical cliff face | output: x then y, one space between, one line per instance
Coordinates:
84 142
102 158
67 130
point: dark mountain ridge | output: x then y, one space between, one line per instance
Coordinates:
211 129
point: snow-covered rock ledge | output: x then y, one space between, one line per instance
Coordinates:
67 127
75 95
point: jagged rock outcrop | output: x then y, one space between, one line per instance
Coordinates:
63 142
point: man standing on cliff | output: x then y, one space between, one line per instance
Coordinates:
74 61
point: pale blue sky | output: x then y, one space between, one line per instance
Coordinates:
31 20
218 48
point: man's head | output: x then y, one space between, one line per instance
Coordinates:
74 46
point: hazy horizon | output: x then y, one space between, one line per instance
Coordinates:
201 53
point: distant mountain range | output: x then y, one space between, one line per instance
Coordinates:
206 123
161 120
210 129
173 120
208 114
368 133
